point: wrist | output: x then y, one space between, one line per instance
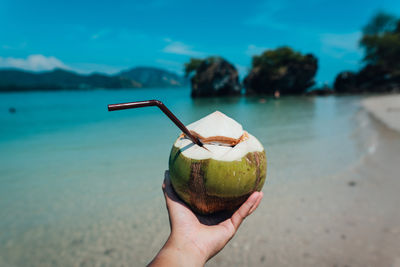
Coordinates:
185 251
179 252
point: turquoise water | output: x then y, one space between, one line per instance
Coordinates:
81 186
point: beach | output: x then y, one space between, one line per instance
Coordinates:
352 219
82 187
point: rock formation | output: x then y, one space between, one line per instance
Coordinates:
215 76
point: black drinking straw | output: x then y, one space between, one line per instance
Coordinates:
149 103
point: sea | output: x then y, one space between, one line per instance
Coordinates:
81 186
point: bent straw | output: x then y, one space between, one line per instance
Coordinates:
149 103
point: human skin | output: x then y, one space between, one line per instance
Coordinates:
195 239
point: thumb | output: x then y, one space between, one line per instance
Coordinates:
246 209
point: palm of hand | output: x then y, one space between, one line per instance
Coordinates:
208 233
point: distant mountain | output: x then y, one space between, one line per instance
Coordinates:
19 80
154 77
58 79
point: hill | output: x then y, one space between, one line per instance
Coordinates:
58 79
154 77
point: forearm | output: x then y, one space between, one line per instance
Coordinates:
178 253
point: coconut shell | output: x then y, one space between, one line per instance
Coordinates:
211 185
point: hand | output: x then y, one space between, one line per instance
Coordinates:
194 239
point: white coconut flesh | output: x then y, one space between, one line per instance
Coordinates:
218 126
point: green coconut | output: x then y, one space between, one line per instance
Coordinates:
223 173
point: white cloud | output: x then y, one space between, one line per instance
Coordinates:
33 63
254 50
43 63
339 45
179 48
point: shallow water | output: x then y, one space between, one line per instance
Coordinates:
81 186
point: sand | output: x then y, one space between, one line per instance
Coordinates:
350 219
385 109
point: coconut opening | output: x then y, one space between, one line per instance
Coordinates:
219 140
223 138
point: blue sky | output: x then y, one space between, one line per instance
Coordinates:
108 36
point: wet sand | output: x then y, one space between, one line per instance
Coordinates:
350 219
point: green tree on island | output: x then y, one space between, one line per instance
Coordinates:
381 41
283 70
381 44
192 66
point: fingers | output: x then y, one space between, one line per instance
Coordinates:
169 193
164 185
170 196
166 181
167 189
246 209
255 206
